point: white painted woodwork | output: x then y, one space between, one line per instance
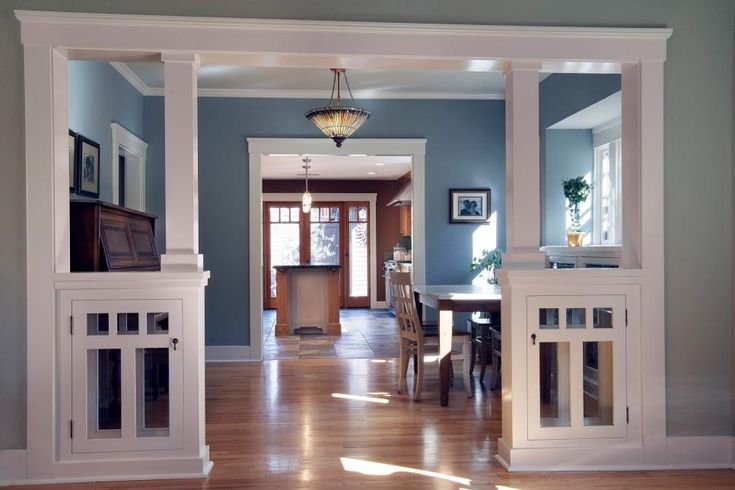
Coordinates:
49 36
522 174
182 162
134 150
631 165
258 147
308 299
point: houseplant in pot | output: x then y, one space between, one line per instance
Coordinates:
488 263
576 190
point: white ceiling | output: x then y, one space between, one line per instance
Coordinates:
599 113
352 167
249 81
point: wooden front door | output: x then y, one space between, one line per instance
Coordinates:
331 233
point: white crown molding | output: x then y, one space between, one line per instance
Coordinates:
219 23
131 77
321 94
608 125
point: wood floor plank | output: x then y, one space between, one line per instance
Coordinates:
278 425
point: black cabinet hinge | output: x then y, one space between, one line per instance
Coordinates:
626 317
71 429
627 415
71 325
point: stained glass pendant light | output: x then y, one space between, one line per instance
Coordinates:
336 120
306 198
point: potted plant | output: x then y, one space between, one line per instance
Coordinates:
576 190
488 262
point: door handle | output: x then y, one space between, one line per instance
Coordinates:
533 338
175 342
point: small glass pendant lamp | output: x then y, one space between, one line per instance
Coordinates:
306 198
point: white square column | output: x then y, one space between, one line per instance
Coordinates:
181 162
522 172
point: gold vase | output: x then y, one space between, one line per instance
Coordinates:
574 238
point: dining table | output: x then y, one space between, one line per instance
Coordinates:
447 300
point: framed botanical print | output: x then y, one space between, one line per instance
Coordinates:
469 205
73 172
88 163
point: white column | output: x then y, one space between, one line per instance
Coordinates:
522 173
47 238
631 164
182 162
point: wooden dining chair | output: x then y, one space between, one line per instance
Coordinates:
416 341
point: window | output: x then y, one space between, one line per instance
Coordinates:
606 202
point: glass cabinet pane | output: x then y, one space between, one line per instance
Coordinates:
548 318
576 318
597 365
602 317
554 384
157 323
152 375
104 381
98 324
127 323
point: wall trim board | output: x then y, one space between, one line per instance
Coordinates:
12 466
229 353
695 452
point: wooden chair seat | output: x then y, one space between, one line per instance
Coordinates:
415 339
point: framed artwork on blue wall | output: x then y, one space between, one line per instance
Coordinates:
469 205
88 165
73 172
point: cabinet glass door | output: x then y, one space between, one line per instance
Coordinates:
576 367
127 375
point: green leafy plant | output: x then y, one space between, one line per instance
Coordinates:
576 190
490 261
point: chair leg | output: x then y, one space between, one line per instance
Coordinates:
483 354
415 363
403 364
473 354
418 384
495 374
466 377
451 370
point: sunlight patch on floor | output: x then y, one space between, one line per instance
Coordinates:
371 399
381 469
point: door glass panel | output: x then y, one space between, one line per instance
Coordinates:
325 247
554 384
98 323
548 318
602 317
352 214
358 264
152 384
284 246
598 383
576 318
103 381
127 323
273 215
285 215
157 323
295 215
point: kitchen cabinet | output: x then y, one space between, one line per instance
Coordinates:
405 220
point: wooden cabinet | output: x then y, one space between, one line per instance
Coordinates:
405 221
106 237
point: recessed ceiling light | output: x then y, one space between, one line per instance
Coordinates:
372 173
379 164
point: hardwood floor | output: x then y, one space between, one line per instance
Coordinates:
292 424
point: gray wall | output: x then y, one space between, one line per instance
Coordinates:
568 154
698 170
99 96
465 148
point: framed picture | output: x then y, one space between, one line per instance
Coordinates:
469 205
88 163
73 172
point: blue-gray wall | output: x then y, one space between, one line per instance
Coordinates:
99 96
465 148
569 154
560 96
698 176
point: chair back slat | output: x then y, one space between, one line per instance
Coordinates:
405 305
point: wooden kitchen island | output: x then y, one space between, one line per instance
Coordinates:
307 296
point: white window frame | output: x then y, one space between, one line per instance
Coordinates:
134 150
615 156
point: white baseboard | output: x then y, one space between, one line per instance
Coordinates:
12 465
229 353
695 452
682 453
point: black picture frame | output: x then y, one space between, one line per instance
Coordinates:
469 205
73 168
88 167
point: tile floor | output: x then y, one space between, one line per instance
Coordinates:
366 334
